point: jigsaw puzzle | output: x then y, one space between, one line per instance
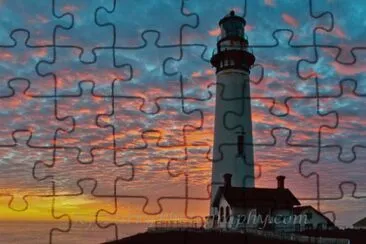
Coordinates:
108 112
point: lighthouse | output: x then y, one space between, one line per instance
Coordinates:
233 139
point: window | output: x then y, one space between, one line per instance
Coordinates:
235 221
309 216
319 227
297 227
308 226
227 214
221 214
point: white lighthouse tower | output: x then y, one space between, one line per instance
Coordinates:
233 140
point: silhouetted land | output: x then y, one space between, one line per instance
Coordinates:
355 236
176 237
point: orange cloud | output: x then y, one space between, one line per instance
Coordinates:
209 72
196 74
6 56
214 32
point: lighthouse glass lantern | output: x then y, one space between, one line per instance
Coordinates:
232 26
232 47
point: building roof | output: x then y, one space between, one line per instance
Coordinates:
255 197
298 210
360 223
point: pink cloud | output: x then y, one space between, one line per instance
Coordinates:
249 27
269 2
338 32
348 69
70 8
290 20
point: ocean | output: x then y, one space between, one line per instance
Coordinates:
39 232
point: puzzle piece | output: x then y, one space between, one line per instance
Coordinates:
129 123
348 31
66 171
194 82
302 112
20 54
328 72
81 209
128 34
83 14
332 173
348 105
86 134
280 80
197 169
102 70
149 81
22 112
37 18
274 161
18 225
284 14
150 167
195 166
16 161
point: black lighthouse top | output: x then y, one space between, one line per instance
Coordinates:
232 46
232 25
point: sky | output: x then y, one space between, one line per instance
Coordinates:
100 97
